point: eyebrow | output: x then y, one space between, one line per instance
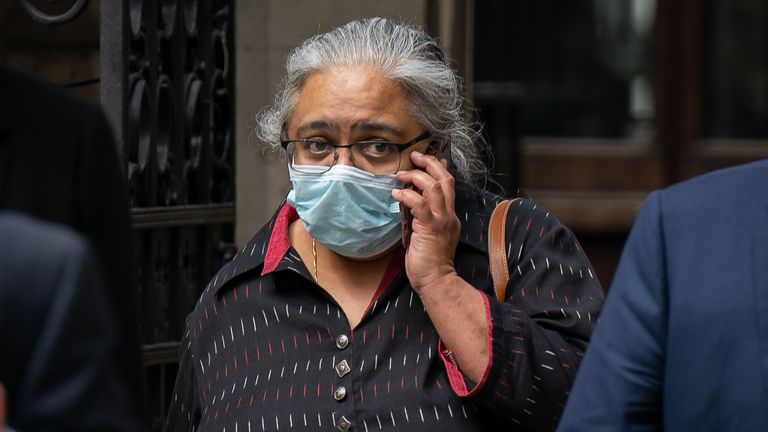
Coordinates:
376 127
325 125
322 125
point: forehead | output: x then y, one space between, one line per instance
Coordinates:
345 97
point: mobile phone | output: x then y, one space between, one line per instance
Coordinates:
407 221
441 150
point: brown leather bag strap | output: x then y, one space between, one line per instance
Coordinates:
497 255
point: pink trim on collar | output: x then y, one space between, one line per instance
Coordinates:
278 240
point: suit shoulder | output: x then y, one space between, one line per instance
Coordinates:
35 252
738 186
736 178
23 233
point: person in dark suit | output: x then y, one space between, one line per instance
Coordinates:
57 334
682 343
59 162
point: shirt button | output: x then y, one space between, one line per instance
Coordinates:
340 393
343 424
342 341
343 368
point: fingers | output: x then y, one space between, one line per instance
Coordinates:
433 180
416 202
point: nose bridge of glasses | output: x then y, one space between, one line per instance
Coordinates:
343 155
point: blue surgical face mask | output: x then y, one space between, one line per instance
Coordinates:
346 209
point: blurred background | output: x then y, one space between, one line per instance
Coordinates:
588 106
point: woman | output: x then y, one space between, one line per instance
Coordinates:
325 320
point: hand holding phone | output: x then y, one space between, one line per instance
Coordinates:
441 151
432 234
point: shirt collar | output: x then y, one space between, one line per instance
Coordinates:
268 247
252 255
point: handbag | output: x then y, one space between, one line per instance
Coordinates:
497 256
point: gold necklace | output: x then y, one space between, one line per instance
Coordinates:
314 257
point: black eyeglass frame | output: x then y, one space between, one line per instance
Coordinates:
401 147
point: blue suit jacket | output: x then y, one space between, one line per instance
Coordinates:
57 334
682 343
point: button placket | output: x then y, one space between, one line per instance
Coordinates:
342 341
343 368
340 393
343 424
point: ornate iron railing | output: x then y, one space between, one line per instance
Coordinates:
167 84
53 11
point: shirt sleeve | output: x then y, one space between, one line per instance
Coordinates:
538 335
184 411
619 384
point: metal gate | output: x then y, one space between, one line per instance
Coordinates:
167 84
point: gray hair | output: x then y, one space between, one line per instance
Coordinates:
399 52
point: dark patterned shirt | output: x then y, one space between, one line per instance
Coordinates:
266 349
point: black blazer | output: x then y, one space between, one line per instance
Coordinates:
59 162
56 334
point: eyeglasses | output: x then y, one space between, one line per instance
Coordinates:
376 157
